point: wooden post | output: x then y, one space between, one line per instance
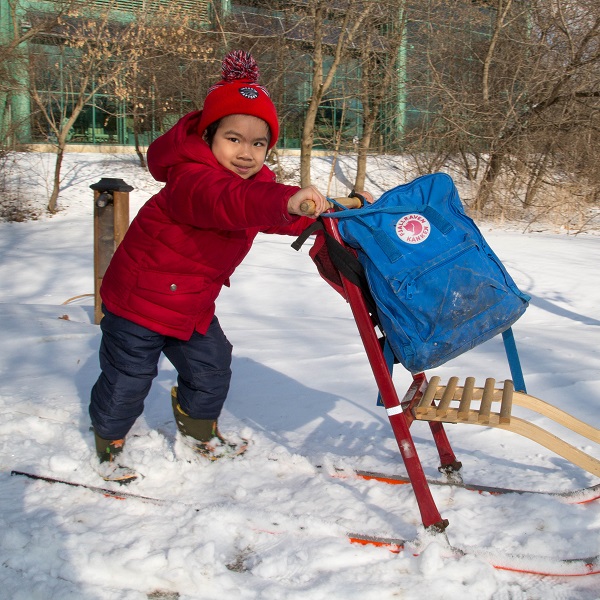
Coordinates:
111 220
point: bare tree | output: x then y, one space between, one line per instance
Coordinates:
443 75
381 74
334 29
506 88
169 75
89 54
93 54
559 93
16 31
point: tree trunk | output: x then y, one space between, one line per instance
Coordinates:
140 154
501 15
487 184
307 140
308 128
136 137
336 151
321 83
361 160
536 177
378 75
60 151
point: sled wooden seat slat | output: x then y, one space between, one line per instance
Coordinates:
506 401
447 396
427 399
486 400
466 397
467 411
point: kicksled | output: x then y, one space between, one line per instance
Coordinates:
349 252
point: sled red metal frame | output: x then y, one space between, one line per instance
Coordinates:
399 412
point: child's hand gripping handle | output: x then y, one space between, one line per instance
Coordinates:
308 206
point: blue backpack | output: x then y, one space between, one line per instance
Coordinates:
439 289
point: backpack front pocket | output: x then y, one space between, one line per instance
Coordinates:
451 291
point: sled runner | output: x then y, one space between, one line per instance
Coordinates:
349 254
544 566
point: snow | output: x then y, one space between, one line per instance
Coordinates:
271 525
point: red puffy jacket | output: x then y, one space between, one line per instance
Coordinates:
187 240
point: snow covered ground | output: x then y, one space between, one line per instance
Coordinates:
271 526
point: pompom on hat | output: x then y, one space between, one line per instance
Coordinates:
238 93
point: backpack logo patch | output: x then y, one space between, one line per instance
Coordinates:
413 229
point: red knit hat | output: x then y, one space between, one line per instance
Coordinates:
238 94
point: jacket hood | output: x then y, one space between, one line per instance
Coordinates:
180 144
183 144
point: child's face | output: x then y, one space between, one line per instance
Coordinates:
240 144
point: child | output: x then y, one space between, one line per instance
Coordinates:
160 288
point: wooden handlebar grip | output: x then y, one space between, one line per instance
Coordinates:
308 206
349 202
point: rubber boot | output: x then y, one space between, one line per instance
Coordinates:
203 435
202 430
108 450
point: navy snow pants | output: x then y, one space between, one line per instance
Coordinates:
129 356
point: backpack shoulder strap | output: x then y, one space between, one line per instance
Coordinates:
343 259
